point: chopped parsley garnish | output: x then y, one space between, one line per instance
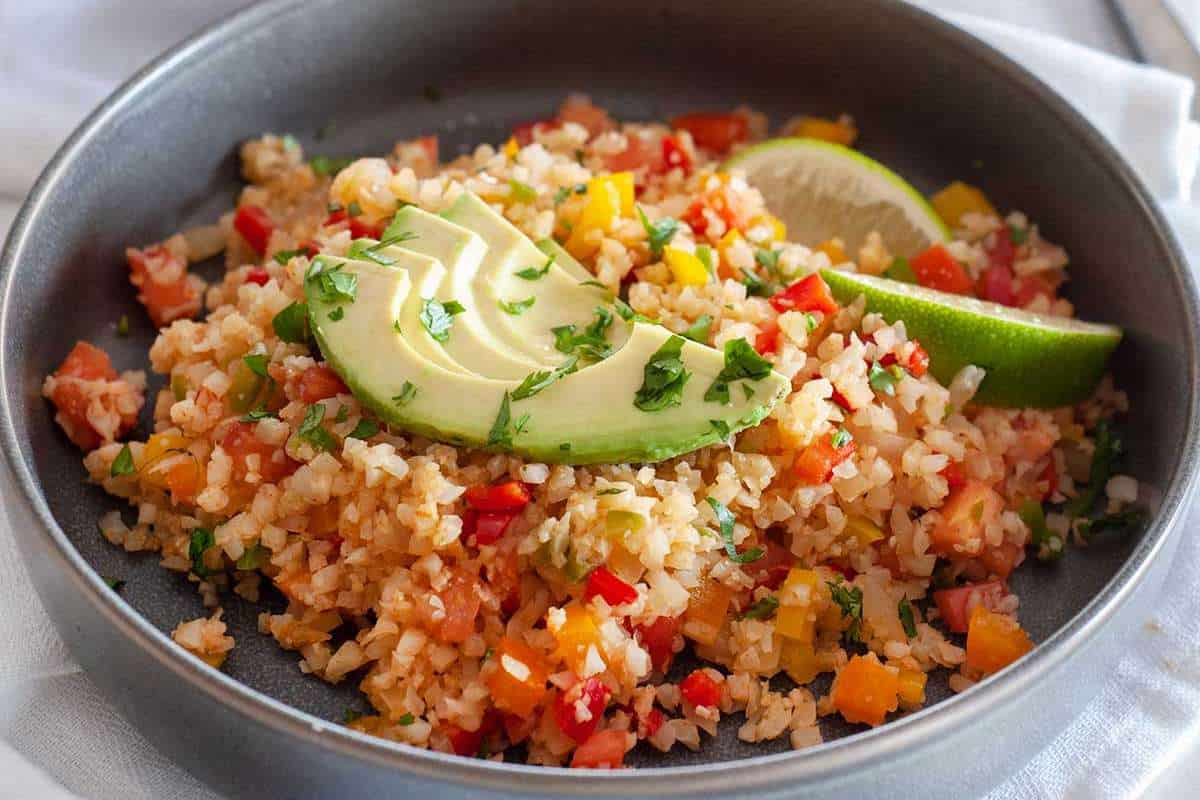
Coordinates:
406 719
810 321
324 165
721 427
594 285
334 285
500 436
533 273
253 557
658 234
407 392
626 312
521 192
354 209
537 381
1018 235
289 142
763 609
123 326
123 463
699 330
116 584
311 430
437 317
741 361
342 415
725 521
202 539
519 425
366 249
365 429
884 380
257 364
590 344
663 378
850 600
517 307
1049 544
284 256
755 286
1104 459
291 324
747 390
257 414
840 438
768 259
900 270
904 609
561 195
612 490
1118 522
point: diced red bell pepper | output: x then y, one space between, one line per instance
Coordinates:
773 567
954 475
815 463
658 638
1001 252
713 131
694 217
603 749
319 383
240 442
467 743
700 689
653 722
808 294
361 229
461 602
595 697
518 728
918 361
937 269
336 216
955 604
506 496
841 400
615 591
257 275
164 286
486 526
674 155
255 225
767 340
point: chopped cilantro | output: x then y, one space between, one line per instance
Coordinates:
755 287
810 321
561 195
354 209
840 438
284 256
1118 522
123 326
324 165
851 602
289 142
116 584
342 415
1104 459
533 273
257 364
438 317
406 719
626 312
721 427
725 521
741 361
253 557
663 378
407 392
521 192
257 414
900 270
517 307
594 284
763 609
365 429
311 430
123 463
202 539
366 249
537 381
291 324
768 259
658 234
519 425
882 380
705 254
334 285
591 344
699 330
747 390
499 436
565 447
605 492
1018 235
1049 544
904 609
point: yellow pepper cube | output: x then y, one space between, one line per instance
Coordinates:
799 661
686 267
862 529
511 148
599 214
624 183
958 199
705 615
912 688
766 229
798 621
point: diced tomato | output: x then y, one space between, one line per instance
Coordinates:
953 473
486 526
524 132
615 591
506 496
239 442
461 603
968 510
468 743
996 285
815 463
336 216
1031 286
841 400
361 229
90 363
767 340
594 695
843 570
808 294
653 722
636 155
310 248
319 383
603 749
694 217
713 131
1001 251
1049 477
699 689
257 275
937 269
164 286
955 604
658 638
255 225
675 155
581 111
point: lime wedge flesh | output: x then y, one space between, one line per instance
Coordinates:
1031 360
821 190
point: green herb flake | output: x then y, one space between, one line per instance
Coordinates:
202 539
354 209
663 378
882 380
289 142
521 192
591 343
253 557
438 317
755 286
517 307
810 321
337 314
763 609
850 600
565 447
840 438
904 609
594 285
900 270
725 520
699 330
1104 461
768 259
284 256
658 234
291 324
116 584
721 427
534 273
742 361
334 285
406 719
1049 544
1121 522
537 381
561 195
407 393
325 166
500 436
705 254
313 432
258 414
123 463
1018 235
626 312
606 492
257 364
365 429
342 415
123 326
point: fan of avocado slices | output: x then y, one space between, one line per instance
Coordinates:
460 328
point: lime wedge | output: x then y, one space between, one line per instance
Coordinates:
1031 360
821 190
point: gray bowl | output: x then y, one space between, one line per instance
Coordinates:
932 102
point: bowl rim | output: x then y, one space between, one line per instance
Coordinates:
824 762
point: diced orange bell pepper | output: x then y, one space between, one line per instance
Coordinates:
912 688
578 633
519 682
960 198
828 130
835 249
705 615
866 691
799 661
815 463
936 269
799 622
994 641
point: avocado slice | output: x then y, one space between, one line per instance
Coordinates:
558 298
587 416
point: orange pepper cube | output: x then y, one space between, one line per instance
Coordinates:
799 621
705 615
575 636
994 641
912 687
866 691
519 681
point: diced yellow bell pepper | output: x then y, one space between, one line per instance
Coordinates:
511 148
766 229
828 130
798 622
912 688
862 529
618 521
836 250
705 615
799 661
624 183
687 269
958 199
160 444
599 214
152 467
577 633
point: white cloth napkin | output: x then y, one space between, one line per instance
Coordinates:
60 739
